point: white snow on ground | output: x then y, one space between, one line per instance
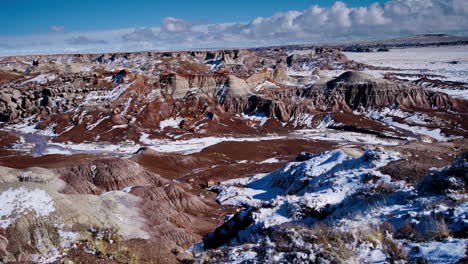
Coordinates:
22 201
110 96
30 128
51 151
335 185
441 252
66 237
336 73
299 52
119 126
244 181
259 117
418 118
326 122
303 120
51 257
337 174
194 145
42 78
299 73
125 190
427 60
190 145
433 133
171 122
265 85
25 127
94 125
343 137
271 160
127 105
242 256
128 189
101 147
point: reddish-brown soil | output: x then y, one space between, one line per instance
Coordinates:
419 158
7 77
171 165
252 152
128 251
47 161
364 124
228 171
7 140
261 150
220 161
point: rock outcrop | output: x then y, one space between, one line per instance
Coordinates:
56 208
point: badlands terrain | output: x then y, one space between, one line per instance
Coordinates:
294 154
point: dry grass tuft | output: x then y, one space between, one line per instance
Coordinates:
429 228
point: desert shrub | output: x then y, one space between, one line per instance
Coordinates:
373 235
382 235
214 255
429 228
433 227
383 187
451 180
318 242
406 231
393 249
125 255
388 227
337 245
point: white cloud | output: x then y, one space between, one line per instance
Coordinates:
175 25
140 34
82 40
57 29
315 24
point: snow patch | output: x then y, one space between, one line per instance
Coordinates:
422 60
194 145
461 94
271 160
265 85
171 122
434 133
23 201
440 252
42 78
258 117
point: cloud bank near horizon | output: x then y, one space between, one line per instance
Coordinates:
316 24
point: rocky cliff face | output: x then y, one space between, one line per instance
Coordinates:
279 93
352 91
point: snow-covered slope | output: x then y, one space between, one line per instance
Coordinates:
342 194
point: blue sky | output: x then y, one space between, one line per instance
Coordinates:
53 26
18 17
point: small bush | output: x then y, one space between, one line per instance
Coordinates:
382 236
124 255
394 250
406 231
383 187
432 228
320 241
429 228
